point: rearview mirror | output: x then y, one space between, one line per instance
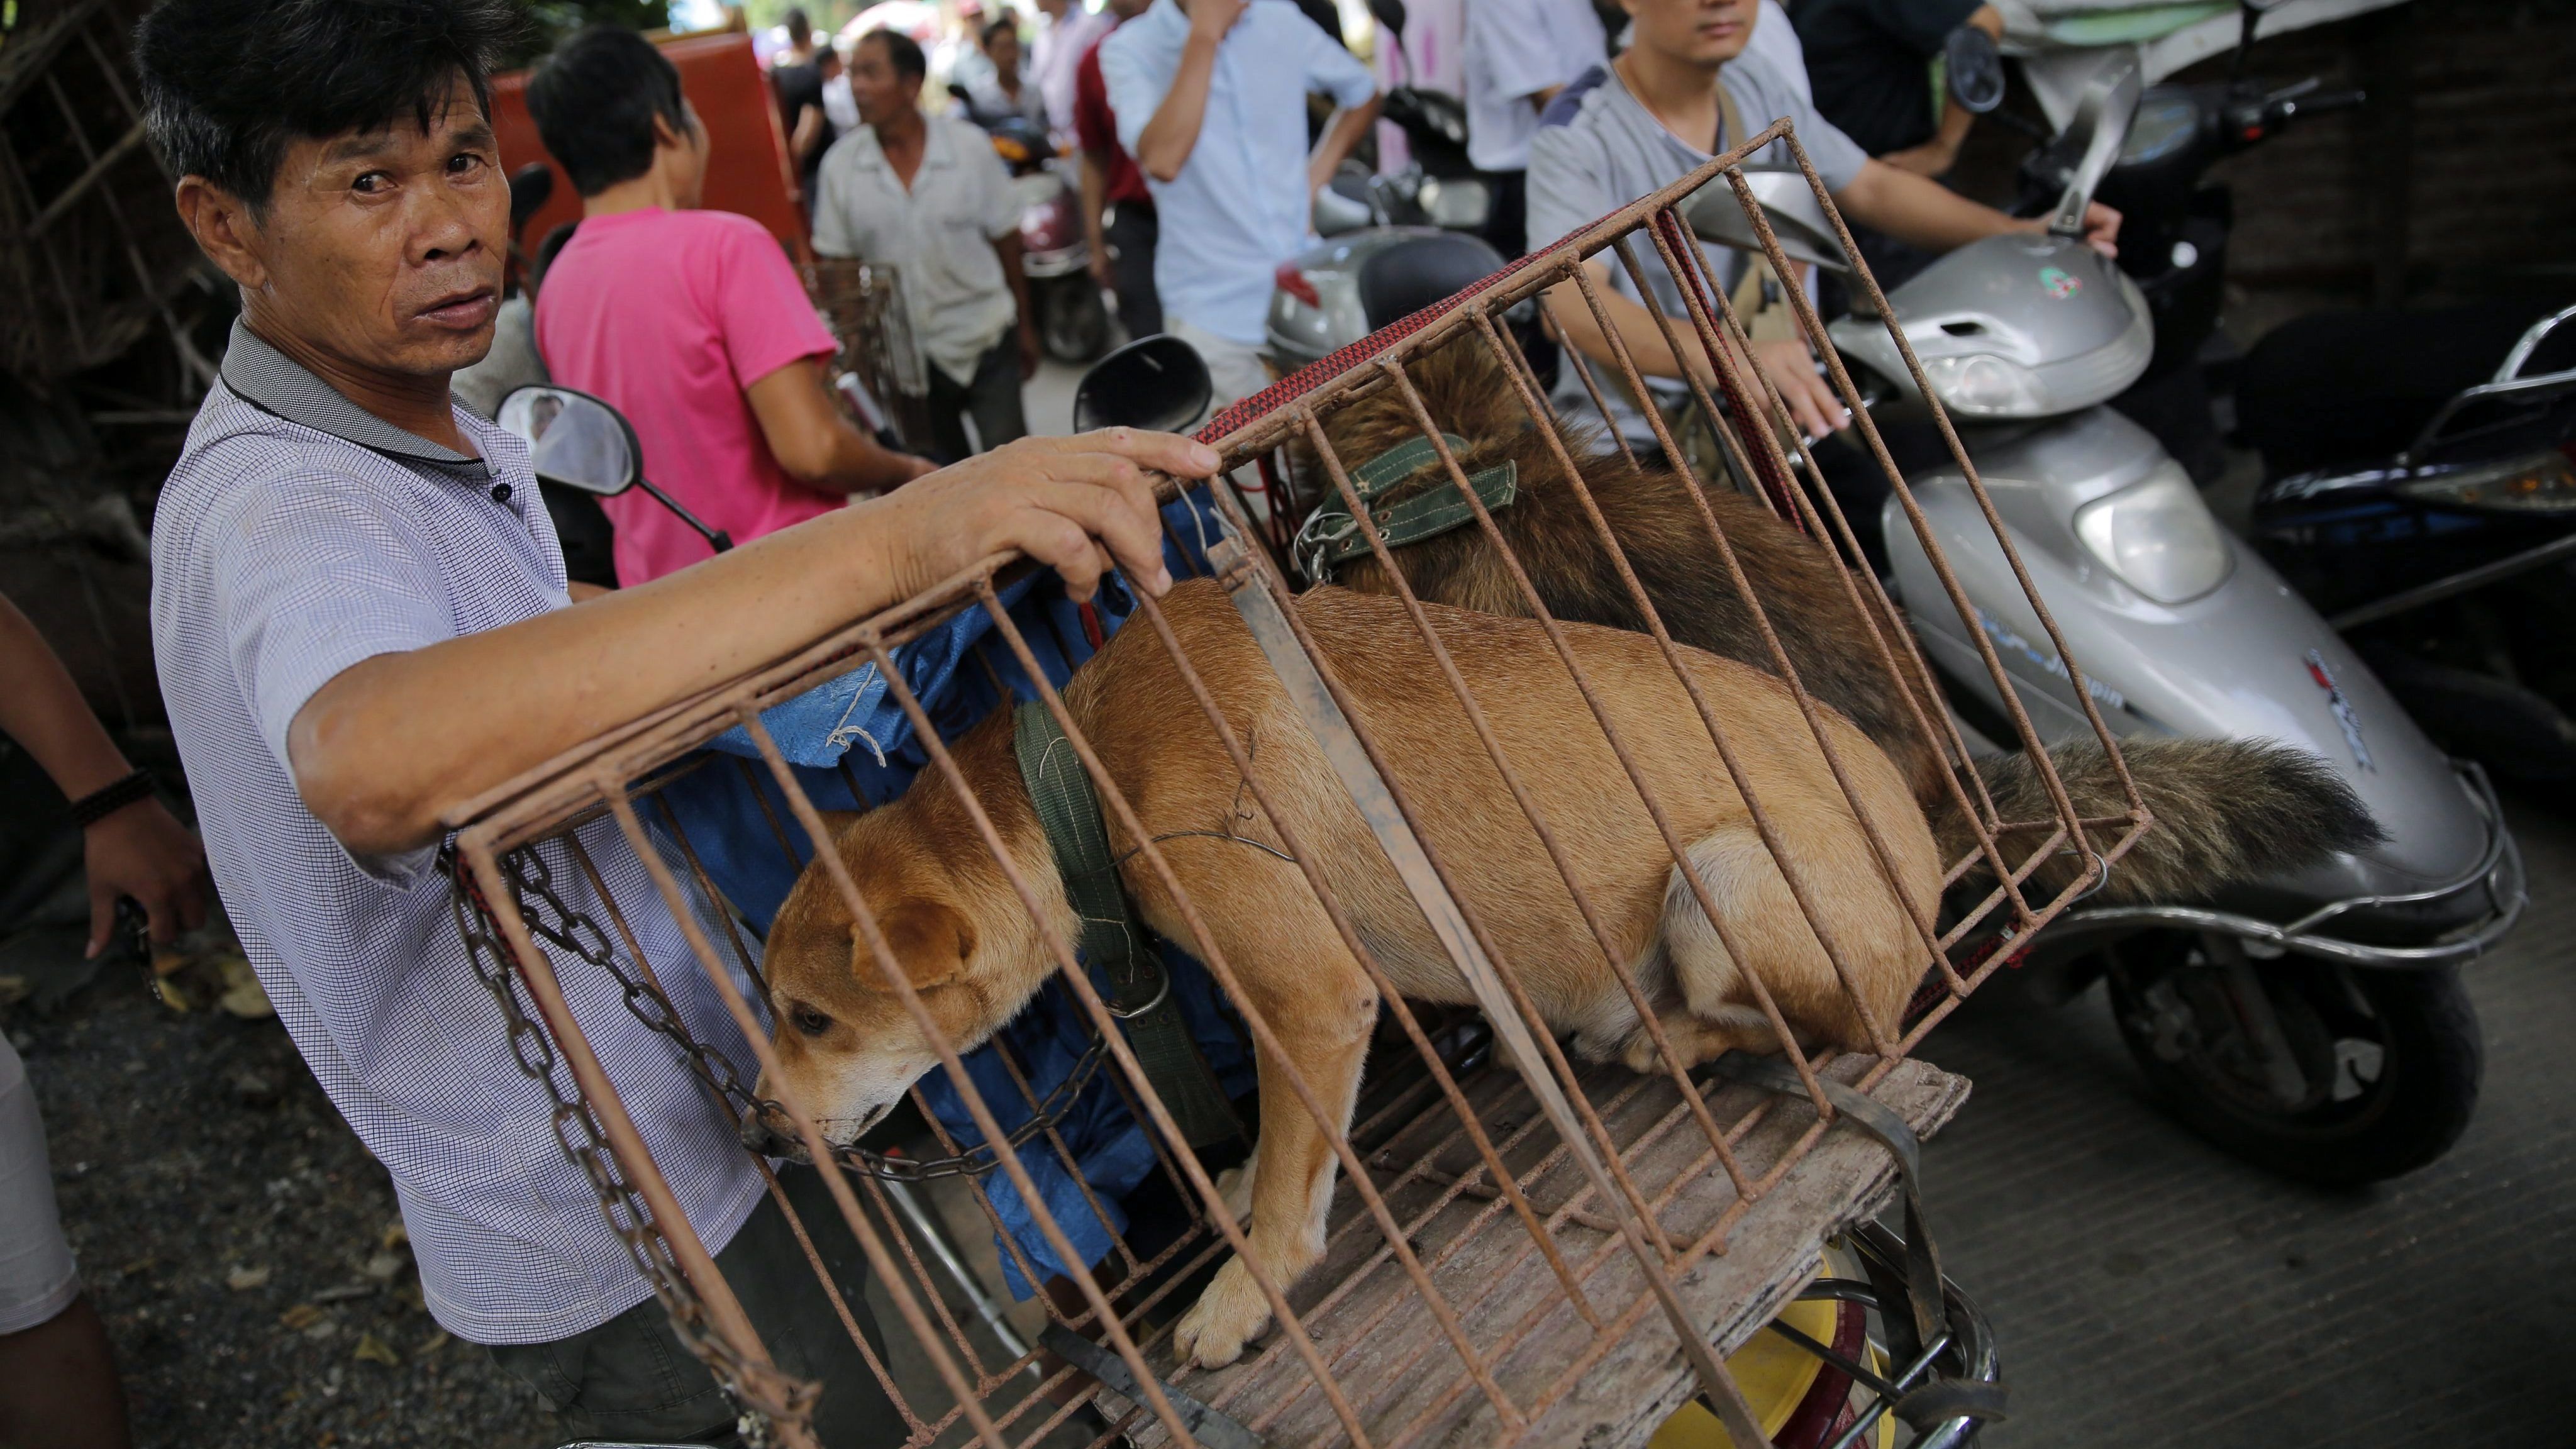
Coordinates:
576 440
1157 383
1798 223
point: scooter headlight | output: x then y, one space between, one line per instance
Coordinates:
1982 385
2157 537
2532 483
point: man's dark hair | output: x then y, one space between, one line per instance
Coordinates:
228 83
594 101
799 26
996 27
902 52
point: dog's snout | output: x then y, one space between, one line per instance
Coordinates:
761 1135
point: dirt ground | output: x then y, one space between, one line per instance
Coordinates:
242 1245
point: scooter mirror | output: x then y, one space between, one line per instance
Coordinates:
1797 222
1974 70
1389 15
1158 383
2108 105
576 440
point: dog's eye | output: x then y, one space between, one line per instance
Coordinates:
808 1020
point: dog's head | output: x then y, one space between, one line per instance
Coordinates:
847 1045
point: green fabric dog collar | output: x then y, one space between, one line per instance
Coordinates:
1332 537
1140 988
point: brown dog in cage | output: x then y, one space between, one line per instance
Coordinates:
850 1049
2227 811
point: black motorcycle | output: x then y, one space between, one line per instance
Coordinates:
2419 491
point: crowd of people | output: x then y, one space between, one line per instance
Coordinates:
361 612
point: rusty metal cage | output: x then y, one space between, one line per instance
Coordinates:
863 304
1522 1247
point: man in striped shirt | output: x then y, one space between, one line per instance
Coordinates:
360 620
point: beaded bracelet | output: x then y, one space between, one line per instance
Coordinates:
106 800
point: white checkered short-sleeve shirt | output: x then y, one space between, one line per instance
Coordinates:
298 536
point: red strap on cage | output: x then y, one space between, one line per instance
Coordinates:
1934 988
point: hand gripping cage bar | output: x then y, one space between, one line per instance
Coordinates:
1503 1243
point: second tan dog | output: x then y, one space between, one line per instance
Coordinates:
849 1049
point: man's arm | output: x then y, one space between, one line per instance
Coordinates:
1918 210
1936 156
1813 404
137 851
390 745
1164 146
1349 125
815 444
1007 247
1095 208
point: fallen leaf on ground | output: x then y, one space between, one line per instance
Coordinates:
345 1292
384 1266
243 1279
372 1349
14 989
302 1315
438 1339
394 1236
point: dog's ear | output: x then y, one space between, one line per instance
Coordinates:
930 940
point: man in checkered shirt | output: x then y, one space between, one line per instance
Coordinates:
361 622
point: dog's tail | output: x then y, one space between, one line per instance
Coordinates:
2226 812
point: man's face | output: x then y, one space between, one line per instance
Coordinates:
1004 51
881 95
1696 32
383 249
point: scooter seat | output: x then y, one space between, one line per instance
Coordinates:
1421 272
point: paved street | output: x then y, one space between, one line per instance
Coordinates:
2148 1290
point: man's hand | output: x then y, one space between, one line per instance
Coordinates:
1812 403
141 852
1101 276
2102 229
1211 19
1030 351
1080 505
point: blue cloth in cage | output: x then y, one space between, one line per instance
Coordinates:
851 746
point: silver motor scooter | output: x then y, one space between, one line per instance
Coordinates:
2313 1025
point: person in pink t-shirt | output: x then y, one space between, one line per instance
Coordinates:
692 323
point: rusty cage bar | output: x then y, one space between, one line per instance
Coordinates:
1522 1247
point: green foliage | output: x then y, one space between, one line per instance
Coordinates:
550 22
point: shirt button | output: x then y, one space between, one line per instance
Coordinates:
500 492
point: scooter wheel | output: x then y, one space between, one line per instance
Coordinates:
2357 1075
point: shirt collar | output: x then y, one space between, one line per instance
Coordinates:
276 383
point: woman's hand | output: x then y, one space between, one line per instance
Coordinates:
1080 505
140 851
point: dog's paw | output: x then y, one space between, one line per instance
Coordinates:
1227 1315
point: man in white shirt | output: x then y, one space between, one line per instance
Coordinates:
927 196
1519 54
1067 31
1212 104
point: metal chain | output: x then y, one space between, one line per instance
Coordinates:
578 1135
576 932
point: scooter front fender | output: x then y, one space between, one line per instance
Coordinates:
2248 659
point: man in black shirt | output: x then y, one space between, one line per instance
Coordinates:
798 79
1870 62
